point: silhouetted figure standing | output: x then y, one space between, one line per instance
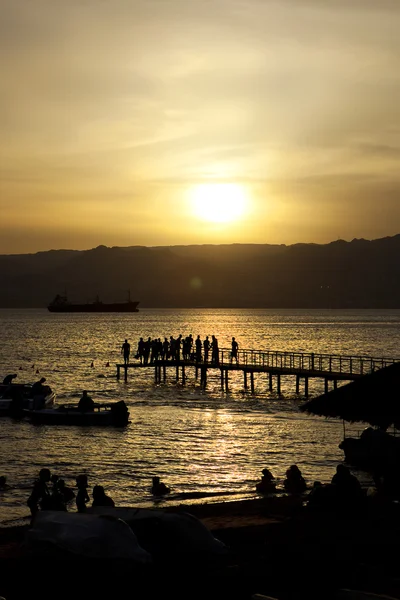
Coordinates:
146 354
215 351
178 343
82 496
165 348
234 351
100 498
198 349
206 346
126 350
140 350
40 495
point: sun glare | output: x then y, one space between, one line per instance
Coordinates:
219 202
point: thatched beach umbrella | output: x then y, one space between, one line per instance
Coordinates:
374 399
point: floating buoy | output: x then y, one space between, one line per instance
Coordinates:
20 368
92 365
108 364
37 371
33 366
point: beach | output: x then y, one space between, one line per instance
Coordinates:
276 548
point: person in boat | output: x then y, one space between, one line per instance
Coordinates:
40 495
9 378
86 403
67 493
267 483
159 488
100 498
82 497
294 482
37 393
126 350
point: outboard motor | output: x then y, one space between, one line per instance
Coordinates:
120 414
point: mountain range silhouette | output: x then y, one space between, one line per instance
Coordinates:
356 274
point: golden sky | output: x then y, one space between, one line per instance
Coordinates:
116 114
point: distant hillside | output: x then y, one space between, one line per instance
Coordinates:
357 274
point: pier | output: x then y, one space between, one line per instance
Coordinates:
304 366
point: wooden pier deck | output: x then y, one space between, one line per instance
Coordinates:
329 367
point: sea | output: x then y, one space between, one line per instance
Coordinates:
206 445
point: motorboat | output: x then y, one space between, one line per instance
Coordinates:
112 414
16 398
373 450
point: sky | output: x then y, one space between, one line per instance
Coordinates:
138 122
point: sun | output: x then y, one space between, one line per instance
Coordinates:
219 202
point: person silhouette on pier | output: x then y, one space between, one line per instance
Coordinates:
126 350
206 346
215 351
198 345
40 493
234 351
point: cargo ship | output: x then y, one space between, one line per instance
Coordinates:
61 304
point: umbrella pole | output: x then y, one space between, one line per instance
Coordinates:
344 429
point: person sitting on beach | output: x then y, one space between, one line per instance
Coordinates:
86 403
3 485
66 492
40 495
346 485
294 482
159 488
267 484
8 379
100 498
320 496
82 496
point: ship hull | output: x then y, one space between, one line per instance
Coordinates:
127 307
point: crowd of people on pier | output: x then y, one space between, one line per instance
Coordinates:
180 348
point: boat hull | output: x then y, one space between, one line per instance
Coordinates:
16 398
114 415
371 455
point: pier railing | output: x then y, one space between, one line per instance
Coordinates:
303 361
